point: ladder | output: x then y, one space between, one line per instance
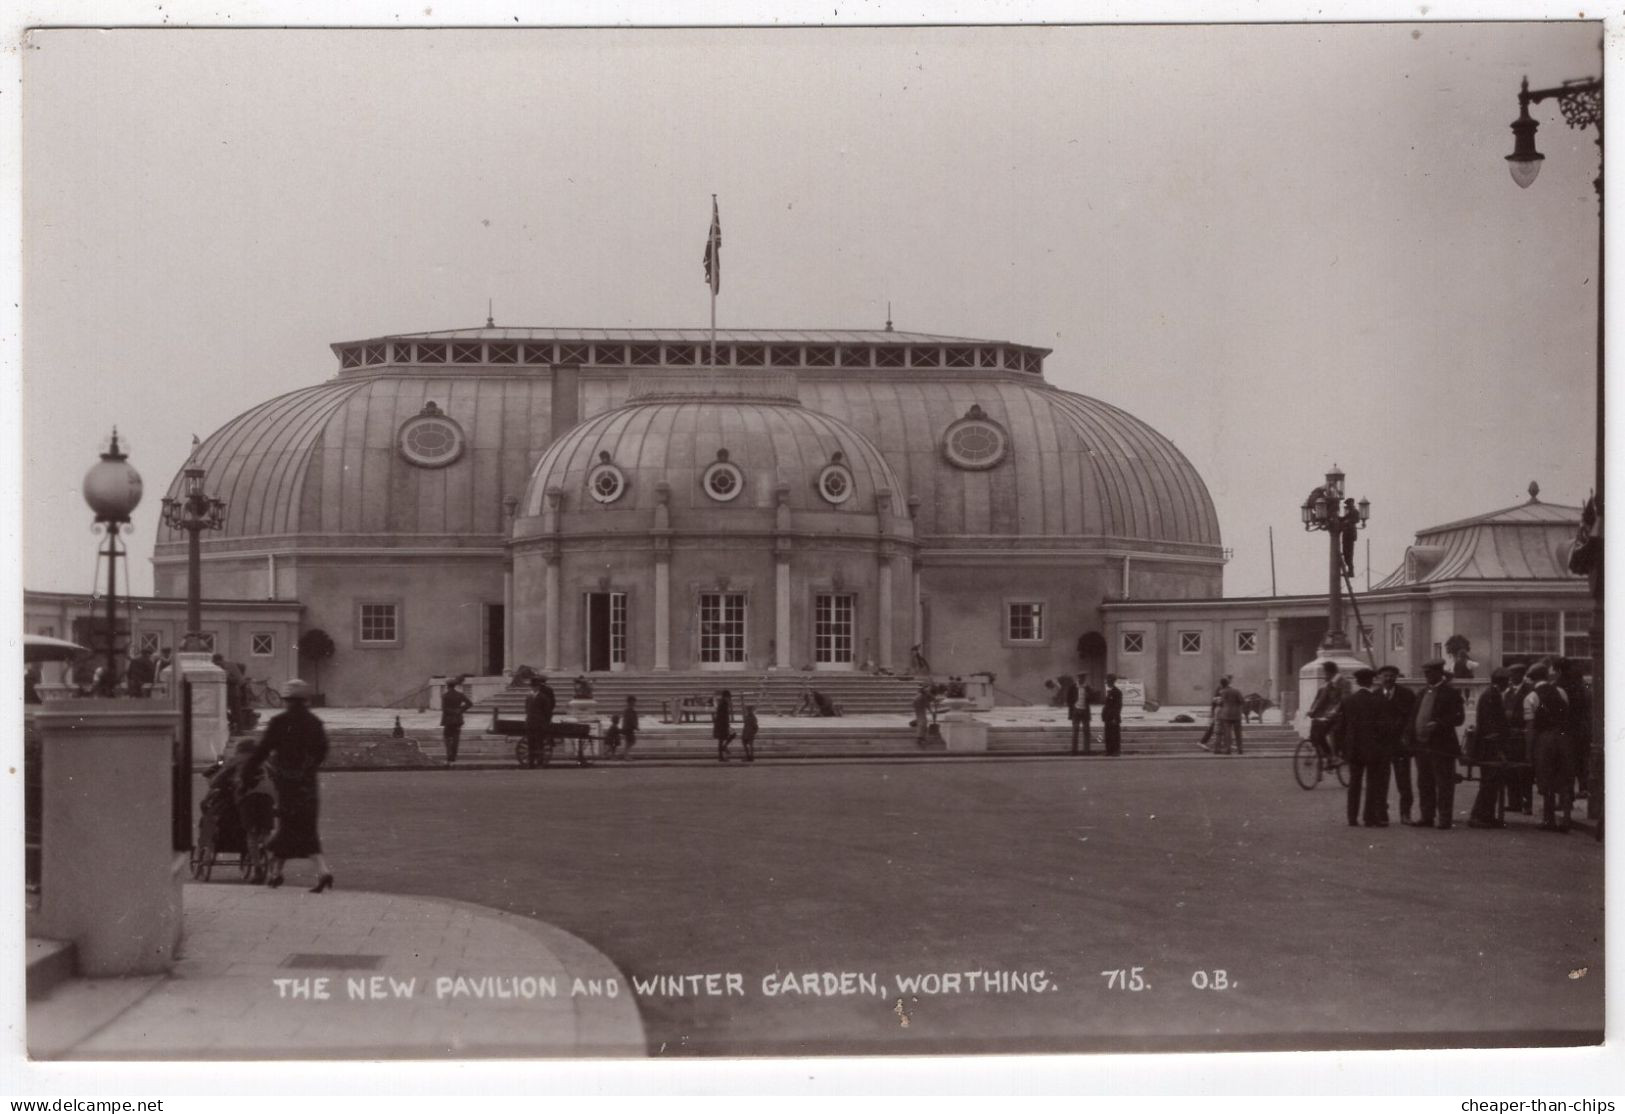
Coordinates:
1369 652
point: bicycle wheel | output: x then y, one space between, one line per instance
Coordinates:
271 697
1306 765
1343 771
521 754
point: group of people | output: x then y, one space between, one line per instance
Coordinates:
1078 697
1228 713
1532 733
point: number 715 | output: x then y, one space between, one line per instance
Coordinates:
1132 978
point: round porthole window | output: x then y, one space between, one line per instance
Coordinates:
606 483
723 481
835 483
431 440
974 441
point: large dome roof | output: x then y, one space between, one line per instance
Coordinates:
674 430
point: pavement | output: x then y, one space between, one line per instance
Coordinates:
269 974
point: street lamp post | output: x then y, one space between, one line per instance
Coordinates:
1580 101
194 513
1326 509
112 488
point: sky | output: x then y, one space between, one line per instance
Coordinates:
1282 246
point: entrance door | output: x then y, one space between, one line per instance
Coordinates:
832 632
722 630
496 639
606 632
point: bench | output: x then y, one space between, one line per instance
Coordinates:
688 709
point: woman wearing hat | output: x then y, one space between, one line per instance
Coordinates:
294 747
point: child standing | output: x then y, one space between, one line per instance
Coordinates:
747 733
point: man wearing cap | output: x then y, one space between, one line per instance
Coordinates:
1323 711
452 706
1398 707
1439 712
1077 710
1546 711
1361 714
539 707
1491 736
1227 713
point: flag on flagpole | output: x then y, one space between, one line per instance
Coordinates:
713 250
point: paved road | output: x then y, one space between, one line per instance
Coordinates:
1328 936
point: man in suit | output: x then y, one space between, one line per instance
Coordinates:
1227 713
1077 710
1521 786
1546 711
1439 711
1398 708
1492 735
1111 717
539 707
1362 720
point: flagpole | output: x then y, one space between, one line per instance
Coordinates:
717 263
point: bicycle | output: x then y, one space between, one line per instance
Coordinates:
260 694
1309 765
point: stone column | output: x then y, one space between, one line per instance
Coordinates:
885 608
110 878
550 635
781 612
211 724
1272 647
662 612
510 508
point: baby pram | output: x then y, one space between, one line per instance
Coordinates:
235 819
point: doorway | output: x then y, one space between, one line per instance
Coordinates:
606 632
496 640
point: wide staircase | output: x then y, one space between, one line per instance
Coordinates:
776 693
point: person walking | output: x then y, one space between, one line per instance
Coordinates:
453 704
539 707
629 727
292 750
922 714
1227 714
747 733
1078 696
1398 710
1361 715
1111 717
1491 735
1439 711
722 723
1546 711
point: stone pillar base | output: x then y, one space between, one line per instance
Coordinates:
211 726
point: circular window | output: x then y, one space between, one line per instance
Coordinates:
722 481
431 440
606 483
835 483
975 442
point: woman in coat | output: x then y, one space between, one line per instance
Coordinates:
721 723
293 749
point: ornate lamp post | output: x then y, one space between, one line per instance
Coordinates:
1325 509
1580 101
112 489
194 513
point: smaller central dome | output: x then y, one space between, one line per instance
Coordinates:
717 441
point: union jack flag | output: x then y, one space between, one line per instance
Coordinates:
713 250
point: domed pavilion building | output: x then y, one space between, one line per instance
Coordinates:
608 500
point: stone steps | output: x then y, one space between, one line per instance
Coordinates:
777 692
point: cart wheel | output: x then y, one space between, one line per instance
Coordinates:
1306 765
1343 771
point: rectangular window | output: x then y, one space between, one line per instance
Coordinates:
646 355
573 353
1190 642
378 624
820 355
1133 642
503 352
1527 635
987 357
262 644
617 630
1577 638
1246 642
466 352
749 355
403 351
855 357
784 355
888 357
680 355
1367 639
1026 622
833 629
722 630
349 357
431 353
207 641
960 357
925 357
372 353
539 353
1396 636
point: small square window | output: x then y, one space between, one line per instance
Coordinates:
538 353
1367 636
431 353
262 644
1246 642
466 353
784 355
378 623
403 351
749 355
372 354
349 357
646 355
1026 623
888 357
504 352
573 353
1133 642
925 357
1396 636
959 357
1190 642
820 355
148 642
987 357
609 355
